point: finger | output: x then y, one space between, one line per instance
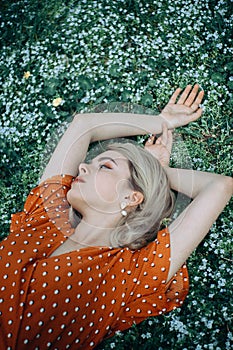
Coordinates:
184 94
175 95
194 116
200 96
198 100
192 96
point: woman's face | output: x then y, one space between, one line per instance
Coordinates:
101 185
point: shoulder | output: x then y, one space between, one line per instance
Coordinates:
54 188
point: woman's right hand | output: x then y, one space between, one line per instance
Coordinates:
162 147
187 109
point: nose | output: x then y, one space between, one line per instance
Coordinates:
83 168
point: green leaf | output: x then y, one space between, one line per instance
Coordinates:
114 70
229 66
230 84
152 83
126 95
218 77
147 99
84 82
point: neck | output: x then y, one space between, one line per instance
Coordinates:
90 233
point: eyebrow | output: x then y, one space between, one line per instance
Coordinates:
109 158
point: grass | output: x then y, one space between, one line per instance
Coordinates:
60 57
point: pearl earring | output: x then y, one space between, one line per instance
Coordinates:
123 211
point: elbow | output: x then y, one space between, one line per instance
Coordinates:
78 118
228 184
225 186
82 122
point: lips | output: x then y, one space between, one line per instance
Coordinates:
79 179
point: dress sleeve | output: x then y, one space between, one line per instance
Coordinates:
49 195
150 294
47 198
44 223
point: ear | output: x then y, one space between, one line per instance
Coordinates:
135 199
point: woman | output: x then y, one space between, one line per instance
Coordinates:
68 283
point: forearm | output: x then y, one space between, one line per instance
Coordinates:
210 193
90 127
192 182
102 126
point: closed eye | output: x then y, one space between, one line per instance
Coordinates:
105 166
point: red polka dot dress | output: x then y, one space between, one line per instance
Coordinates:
75 300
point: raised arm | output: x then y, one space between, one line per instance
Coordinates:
87 128
210 193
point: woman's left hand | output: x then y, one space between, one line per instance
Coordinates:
184 110
162 147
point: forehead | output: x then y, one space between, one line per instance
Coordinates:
117 156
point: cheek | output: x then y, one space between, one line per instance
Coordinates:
101 190
110 189
106 190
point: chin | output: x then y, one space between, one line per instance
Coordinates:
72 199
75 201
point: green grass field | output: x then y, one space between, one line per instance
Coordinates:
60 57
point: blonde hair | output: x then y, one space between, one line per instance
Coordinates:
147 176
141 225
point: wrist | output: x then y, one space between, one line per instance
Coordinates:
170 124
